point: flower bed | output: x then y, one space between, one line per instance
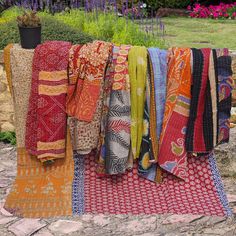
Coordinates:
222 11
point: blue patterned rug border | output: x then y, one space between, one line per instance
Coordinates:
219 184
78 185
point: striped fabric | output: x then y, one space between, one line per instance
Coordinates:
212 84
195 141
46 119
158 59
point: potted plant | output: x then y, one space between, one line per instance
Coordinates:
30 30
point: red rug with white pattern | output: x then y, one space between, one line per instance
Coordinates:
201 193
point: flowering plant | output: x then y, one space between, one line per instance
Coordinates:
132 12
136 12
216 12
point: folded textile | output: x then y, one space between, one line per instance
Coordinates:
199 136
158 59
172 153
153 120
85 135
117 140
207 108
153 114
86 73
158 70
87 66
225 86
138 73
213 84
108 82
7 62
146 168
46 119
19 73
38 190
42 190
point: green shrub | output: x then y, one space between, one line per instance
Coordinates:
168 3
52 29
177 3
109 27
76 25
12 13
8 137
74 18
8 34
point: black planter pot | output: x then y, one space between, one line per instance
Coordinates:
30 37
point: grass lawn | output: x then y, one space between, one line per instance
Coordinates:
200 33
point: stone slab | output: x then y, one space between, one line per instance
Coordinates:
174 219
65 226
26 227
5 220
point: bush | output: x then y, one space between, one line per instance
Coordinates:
183 3
52 29
100 26
216 12
8 137
168 3
109 27
55 30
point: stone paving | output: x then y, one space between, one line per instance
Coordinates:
103 225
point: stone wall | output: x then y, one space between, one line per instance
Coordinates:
234 77
6 107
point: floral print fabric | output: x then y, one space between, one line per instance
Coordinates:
117 138
85 135
225 86
108 82
87 66
172 155
46 118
